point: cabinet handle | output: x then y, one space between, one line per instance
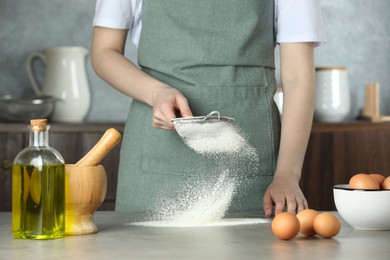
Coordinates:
5 165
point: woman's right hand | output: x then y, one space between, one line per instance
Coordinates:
110 64
168 103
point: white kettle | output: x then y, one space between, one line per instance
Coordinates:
65 78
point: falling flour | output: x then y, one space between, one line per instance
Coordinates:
212 138
205 201
200 202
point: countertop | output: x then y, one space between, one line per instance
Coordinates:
117 239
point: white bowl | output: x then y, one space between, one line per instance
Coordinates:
363 209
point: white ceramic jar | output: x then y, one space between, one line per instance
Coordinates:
333 102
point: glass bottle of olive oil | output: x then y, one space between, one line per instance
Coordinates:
38 188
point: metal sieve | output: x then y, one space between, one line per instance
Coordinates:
210 118
200 126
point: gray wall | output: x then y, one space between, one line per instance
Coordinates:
357 31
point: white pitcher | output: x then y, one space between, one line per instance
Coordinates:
66 79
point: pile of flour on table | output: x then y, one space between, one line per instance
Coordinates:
205 201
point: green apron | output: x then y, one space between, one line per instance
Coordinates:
220 55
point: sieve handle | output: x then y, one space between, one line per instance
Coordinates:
213 113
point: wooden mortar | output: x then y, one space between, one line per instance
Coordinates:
86 186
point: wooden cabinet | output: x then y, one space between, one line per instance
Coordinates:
73 141
338 151
335 153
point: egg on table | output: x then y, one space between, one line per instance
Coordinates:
285 225
326 225
306 218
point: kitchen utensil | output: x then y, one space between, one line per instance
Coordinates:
371 109
86 186
110 138
332 96
65 78
185 125
85 190
20 109
363 209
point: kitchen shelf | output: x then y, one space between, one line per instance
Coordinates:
350 126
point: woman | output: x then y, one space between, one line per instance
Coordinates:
200 56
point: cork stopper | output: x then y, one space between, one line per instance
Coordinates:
38 124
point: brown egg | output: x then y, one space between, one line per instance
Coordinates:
306 218
386 184
363 181
326 225
378 177
285 225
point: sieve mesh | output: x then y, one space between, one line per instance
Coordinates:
209 134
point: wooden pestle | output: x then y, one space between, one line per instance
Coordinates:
110 138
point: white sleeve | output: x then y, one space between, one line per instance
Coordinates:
299 21
119 14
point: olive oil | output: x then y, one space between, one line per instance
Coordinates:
39 208
38 189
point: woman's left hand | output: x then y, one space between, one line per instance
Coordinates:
284 191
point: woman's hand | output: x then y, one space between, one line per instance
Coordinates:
168 103
284 191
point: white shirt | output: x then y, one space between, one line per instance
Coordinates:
295 20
